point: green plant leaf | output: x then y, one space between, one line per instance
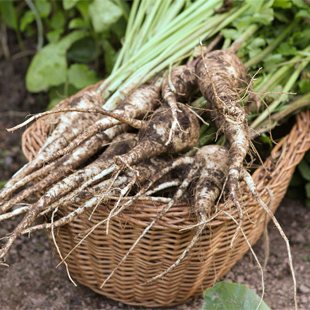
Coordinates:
307 187
69 4
44 7
303 13
231 296
257 42
26 19
83 50
72 37
287 49
54 35
304 170
231 34
103 14
264 17
284 4
273 59
300 3
254 52
76 23
8 14
49 66
300 39
80 76
304 86
58 20
256 5
83 6
281 17
265 139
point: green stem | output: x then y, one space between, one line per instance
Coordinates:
38 22
285 63
226 44
275 78
287 88
289 109
136 27
156 65
193 16
243 38
199 103
158 11
296 105
234 14
272 45
21 43
174 10
131 20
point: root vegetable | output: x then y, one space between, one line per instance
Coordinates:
91 197
69 162
139 103
212 162
221 75
152 142
154 137
178 86
69 126
94 199
67 184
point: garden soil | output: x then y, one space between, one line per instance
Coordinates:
32 282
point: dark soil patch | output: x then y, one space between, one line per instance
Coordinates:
15 104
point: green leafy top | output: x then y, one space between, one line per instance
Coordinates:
232 296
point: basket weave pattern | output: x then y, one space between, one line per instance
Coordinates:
91 263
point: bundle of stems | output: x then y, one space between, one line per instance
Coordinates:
160 34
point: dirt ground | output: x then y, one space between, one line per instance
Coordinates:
32 281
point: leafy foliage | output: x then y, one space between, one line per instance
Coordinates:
300 183
231 296
49 66
76 35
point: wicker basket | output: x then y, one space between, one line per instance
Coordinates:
209 260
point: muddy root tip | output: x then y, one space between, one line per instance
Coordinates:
2 255
2 263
